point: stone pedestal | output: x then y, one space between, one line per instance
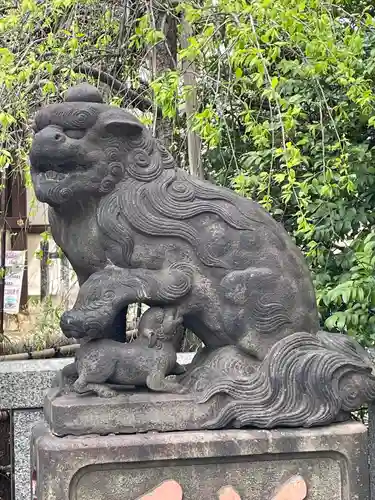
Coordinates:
127 413
327 463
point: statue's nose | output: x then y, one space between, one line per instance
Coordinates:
49 135
46 147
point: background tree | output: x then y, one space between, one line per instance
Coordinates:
287 116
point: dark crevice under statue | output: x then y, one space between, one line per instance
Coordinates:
137 229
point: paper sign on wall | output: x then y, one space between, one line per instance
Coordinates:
15 266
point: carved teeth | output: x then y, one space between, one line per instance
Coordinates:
52 175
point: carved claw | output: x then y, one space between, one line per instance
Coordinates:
158 383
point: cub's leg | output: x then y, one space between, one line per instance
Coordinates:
102 390
64 379
68 375
94 371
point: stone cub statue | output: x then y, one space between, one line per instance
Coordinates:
147 361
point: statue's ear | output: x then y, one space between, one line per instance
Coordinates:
120 123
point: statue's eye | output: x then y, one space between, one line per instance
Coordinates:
75 134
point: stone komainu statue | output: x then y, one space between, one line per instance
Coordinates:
137 229
121 208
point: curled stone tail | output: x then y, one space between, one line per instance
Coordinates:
306 380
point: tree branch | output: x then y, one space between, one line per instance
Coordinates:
136 100
131 96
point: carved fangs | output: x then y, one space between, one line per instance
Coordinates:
52 175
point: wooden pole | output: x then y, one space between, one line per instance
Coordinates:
193 139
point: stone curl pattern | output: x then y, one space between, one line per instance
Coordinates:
156 199
294 386
160 209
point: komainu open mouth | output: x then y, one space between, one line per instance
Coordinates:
52 175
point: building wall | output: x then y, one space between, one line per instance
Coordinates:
38 215
37 212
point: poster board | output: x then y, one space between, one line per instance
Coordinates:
14 269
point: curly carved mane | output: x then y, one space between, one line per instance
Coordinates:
157 199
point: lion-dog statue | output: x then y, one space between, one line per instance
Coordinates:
138 229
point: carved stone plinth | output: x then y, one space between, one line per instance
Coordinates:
318 464
127 413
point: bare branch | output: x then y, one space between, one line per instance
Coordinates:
131 96
142 103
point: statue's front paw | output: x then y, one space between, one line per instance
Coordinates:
106 392
71 325
75 324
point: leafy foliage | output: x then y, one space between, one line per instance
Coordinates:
286 110
287 117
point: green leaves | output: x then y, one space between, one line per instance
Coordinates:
206 124
6 57
6 120
290 86
145 34
166 93
238 72
351 301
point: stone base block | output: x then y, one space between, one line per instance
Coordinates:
127 413
327 463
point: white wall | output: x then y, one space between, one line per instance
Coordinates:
36 211
38 215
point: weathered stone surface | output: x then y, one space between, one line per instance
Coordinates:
23 384
138 229
148 361
126 413
301 369
257 464
23 387
23 423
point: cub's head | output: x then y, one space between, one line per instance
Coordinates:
82 148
